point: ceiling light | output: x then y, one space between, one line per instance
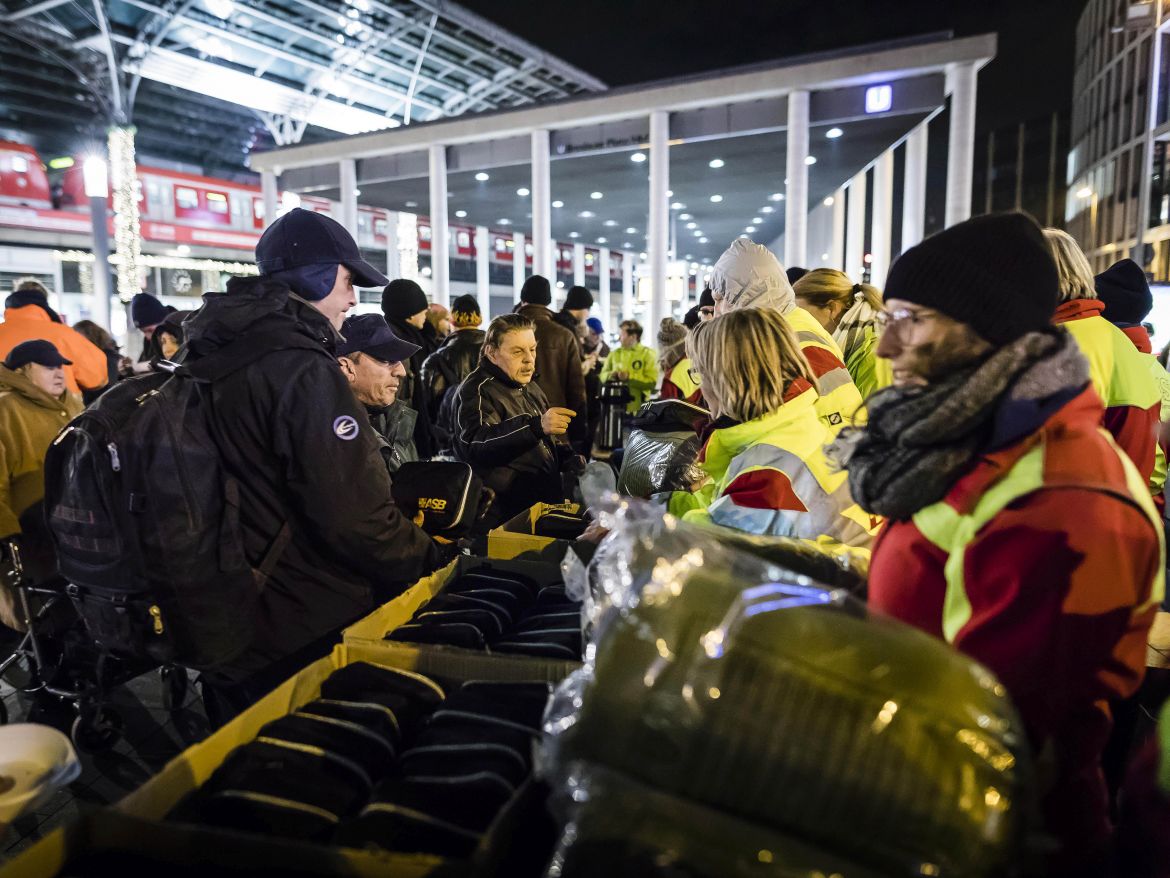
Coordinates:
776 196
586 214
596 196
638 157
522 192
627 244
631 230
412 204
715 163
767 209
504 221
641 255
558 204
482 177
601 241
220 8
684 216
703 241
824 257
574 234
829 201
678 205
692 225
183 250
715 199
834 133
610 223
560 285
669 193
810 159
689 256
757 220
1084 192
461 213
750 229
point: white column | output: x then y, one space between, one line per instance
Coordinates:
883 218
627 288
603 283
393 258
796 195
579 265
855 229
518 264
914 188
961 82
837 235
269 195
348 186
659 226
542 255
440 234
483 271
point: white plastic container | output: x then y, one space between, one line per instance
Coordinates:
35 762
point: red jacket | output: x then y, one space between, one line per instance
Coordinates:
1059 584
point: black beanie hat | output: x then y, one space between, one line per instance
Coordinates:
536 291
795 273
706 298
1126 293
403 298
995 273
578 298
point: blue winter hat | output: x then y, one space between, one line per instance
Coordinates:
304 238
146 310
596 325
371 334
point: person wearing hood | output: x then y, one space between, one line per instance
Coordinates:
1016 530
748 275
558 357
315 499
27 317
675 365
848 311
444 370
373 358
35 405
405 306
1119 373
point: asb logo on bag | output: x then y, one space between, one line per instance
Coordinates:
345 427
435 503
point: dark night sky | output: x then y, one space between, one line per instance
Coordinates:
631 41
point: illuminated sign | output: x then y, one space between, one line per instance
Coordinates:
879 98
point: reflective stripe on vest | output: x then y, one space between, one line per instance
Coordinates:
952 531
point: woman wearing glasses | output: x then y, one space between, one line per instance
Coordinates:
675 365
764 462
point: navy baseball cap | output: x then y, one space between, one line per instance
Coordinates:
303 238
41 352
371 334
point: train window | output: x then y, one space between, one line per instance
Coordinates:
20 164
187 199
381 226
424 233
588 258
501 245
217 202
510 244
462 239
528 249
258 208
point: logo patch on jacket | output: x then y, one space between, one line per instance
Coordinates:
345 427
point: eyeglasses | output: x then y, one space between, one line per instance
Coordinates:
893 321
694 375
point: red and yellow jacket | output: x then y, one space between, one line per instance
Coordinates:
1045 563
677 384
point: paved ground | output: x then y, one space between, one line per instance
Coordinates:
152 736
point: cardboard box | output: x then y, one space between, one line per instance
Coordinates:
466 663
516 537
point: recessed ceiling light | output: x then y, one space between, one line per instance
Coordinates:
558 204
627 244
505 222
631 230
692 225
829 201
602 241
522 192
641 255
703 241
750 229
638 157
412 204
834 133
715 199
574 234
678 205
767 209
698 233
715 163
596 196
776 196
756 220
669 193
689 256
610 223
482 177
586 214
810 159
684 216
461 213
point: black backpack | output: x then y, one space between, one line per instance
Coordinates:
144 517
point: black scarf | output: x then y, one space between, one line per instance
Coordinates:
920 440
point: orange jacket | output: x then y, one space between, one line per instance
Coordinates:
30 322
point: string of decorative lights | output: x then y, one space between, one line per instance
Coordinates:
127 234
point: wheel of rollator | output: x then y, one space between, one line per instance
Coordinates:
22 674
95 731
175 685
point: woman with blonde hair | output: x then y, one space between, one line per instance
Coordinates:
675 365
848 311
764 461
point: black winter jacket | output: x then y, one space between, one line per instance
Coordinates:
394 425
558 366
412 391
302 448
442 373
499 434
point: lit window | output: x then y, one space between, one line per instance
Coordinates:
20 164
424 233
258 208
380 226
528 250
186 198
501 245
217 202
463 239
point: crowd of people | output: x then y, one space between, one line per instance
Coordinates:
990 430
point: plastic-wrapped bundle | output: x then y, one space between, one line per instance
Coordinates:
662 451
719 678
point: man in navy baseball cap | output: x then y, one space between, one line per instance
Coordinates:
43 353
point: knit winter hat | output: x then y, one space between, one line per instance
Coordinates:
706 298
146 310
536 291
670 334
795 273
1125 291
465 312
995 273
403 298
578 298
